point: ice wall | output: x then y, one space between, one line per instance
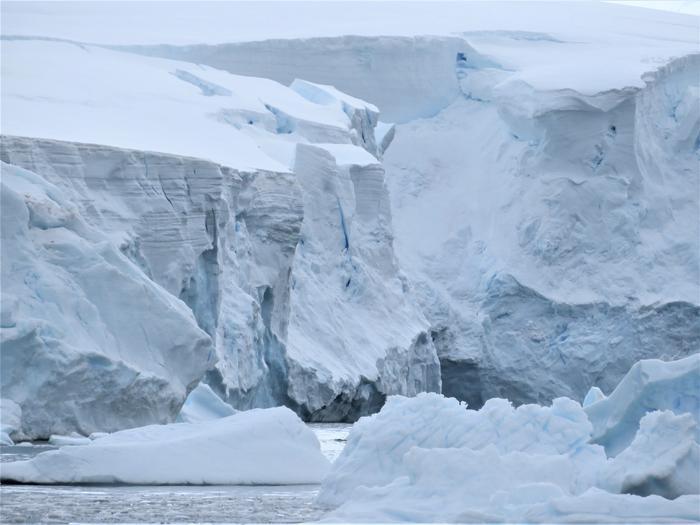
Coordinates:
545 208
406 77
287 273
89 342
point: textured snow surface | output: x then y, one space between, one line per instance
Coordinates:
88 94
428 458
263 446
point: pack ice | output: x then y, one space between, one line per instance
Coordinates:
428 459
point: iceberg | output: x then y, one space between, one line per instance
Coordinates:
429 459
202 404
379 446
262 446
261 211
650 385
663 458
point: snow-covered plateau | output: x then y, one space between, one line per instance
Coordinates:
332 205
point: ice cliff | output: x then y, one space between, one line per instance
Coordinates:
270 273
545 205
540 193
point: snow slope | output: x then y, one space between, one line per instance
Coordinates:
256 447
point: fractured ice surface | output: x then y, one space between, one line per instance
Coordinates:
649 385
539 190
89 342
277 236
429 459
543 182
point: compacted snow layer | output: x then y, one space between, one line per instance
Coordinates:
263 446
428 458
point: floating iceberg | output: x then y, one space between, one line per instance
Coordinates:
377 447
69 440
202 404
262 446
663 458
430 459
649 385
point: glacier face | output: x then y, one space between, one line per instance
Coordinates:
545 212
580 254
543 209
281 256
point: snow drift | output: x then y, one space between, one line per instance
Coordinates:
430 459
264 446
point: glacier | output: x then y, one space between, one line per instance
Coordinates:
580 255
278 254
461 199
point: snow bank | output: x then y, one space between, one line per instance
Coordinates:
270 446
430 459
649 385
152 104
202 404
